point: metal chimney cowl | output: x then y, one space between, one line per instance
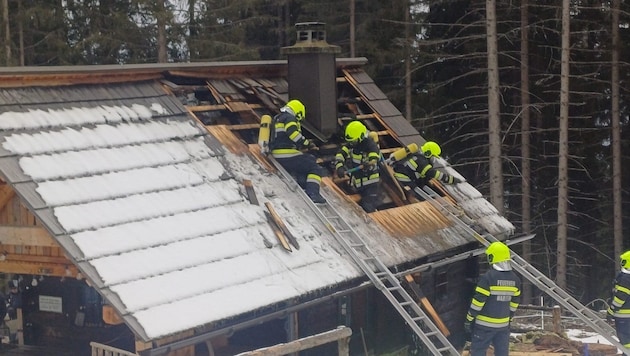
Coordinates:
312 76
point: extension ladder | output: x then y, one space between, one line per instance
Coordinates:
376 270
588 316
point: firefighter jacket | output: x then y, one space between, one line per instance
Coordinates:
496 298
286 136
620 306
361 160
416 169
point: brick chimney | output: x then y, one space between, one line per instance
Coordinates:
313 76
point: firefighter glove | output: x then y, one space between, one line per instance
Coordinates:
312 146
341 172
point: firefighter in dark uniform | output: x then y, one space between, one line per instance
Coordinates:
360 155
416 169
619 308
494 303
286 144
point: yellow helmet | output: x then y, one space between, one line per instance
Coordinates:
497 252
355 132
431 149
624 260
298 109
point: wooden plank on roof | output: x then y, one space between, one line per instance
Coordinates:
201 108
386 109
244 127
222 86
254 149
216 94
371 91
411 220
358 75
238 106
228 139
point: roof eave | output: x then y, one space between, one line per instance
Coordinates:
92 74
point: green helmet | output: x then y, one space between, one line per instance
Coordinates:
431 149
498 252
298 109
355 132
624 260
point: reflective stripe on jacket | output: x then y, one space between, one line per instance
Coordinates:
620 306
364 153
419 169
496 298
287 136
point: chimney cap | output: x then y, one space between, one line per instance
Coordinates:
311 38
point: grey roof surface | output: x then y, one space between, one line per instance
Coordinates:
152 209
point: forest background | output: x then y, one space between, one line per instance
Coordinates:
553 119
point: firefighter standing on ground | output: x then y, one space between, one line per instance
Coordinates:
417 169
494 303
287 141
361 155
619 308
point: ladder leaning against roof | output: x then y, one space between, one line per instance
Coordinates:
377 271
591 318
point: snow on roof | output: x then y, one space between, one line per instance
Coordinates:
153 211
147 204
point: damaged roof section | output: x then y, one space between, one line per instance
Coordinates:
150 204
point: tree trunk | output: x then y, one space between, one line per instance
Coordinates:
193 34
526 168
494 115
563 151
161 31
352 33
7 32
616 139
21 32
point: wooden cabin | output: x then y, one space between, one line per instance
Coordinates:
126 221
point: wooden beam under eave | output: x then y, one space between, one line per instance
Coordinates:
45 269
27 236
20 257
6 194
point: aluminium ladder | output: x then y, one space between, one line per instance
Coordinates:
588 316
377 271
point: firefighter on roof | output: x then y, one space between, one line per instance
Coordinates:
287 141
415 168
494 303
359 158
619 308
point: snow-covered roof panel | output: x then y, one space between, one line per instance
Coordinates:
154 213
